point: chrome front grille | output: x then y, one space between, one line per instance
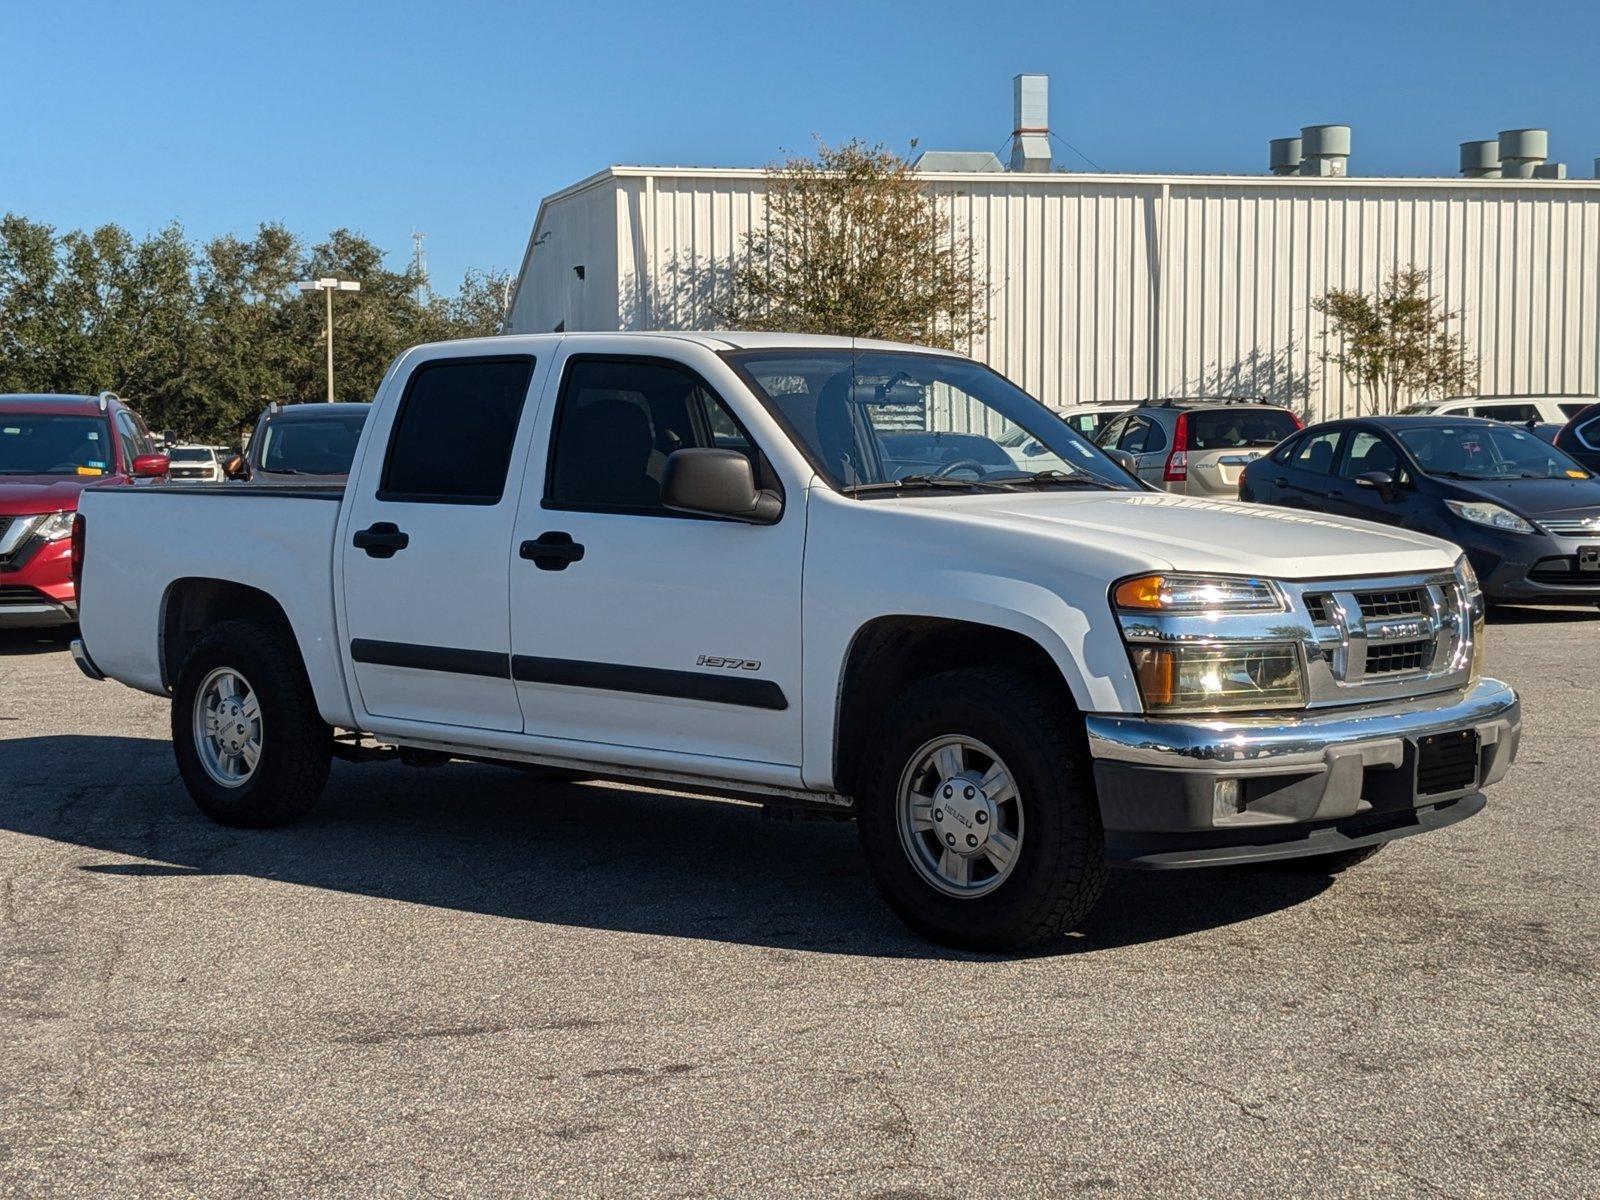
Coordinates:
1401 602
1399 656
1573 527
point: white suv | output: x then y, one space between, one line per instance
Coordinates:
1542 410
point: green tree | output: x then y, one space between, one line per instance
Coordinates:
1397 343
202 338
854 244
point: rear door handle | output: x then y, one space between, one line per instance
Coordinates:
553 551
383 540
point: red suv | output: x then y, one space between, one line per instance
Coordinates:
51 448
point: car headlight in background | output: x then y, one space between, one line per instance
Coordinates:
1195 594
1481 512
53 526
1198 678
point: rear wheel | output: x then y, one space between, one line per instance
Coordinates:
251 749
978 817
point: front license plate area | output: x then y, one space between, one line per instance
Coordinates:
1589 558
1447 762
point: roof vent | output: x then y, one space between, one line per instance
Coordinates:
1030 139
958 160
1326 149
1521 150
1284 155
1481 159
1550 170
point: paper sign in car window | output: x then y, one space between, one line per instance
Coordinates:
1577 474
90 471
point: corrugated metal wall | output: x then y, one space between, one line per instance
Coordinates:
1123 287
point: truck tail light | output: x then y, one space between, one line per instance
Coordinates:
77 555
1177 469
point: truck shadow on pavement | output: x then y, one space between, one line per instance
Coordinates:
490 840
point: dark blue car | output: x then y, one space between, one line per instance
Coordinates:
1526 513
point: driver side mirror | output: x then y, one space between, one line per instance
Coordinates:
236 468
1379 481
151 466
717 483
1123 459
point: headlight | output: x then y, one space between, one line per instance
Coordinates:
54 527
1191 678
1195 594
1481 512
1473 591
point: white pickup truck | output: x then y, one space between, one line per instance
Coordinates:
817 572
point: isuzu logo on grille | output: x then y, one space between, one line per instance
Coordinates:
1399 631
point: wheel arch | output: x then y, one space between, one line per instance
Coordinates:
890 653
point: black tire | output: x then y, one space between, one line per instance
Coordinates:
1329 864
1060 868
296 747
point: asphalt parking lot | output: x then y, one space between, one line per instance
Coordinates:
462 982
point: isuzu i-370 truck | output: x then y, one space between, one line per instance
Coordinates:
812 571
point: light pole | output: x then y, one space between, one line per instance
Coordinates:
328 286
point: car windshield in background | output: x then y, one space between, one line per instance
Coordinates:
51 444
1487 452
896 422
181 455
1225 428
321 445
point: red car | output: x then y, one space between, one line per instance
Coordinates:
51 448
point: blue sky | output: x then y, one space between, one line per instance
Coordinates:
456 118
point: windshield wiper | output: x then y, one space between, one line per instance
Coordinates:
280 470
912 482
1054 478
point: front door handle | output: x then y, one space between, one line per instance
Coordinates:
553 551
383 540
1281 481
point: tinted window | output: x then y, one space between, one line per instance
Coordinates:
1369 452
452 438
618 422
1223 428
1516 413
1315 453
1134 436
185 454
1108 433
1572 410
304 445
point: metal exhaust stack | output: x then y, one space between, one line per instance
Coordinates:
1327 150
1030 139
1523 150
1481 159
1284 156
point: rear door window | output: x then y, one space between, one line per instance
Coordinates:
1516 413
452 438
1316 453
1225 428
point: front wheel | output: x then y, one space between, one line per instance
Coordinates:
251 749
979 818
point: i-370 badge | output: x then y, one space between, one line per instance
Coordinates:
728 664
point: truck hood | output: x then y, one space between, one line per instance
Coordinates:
23 495
1188 533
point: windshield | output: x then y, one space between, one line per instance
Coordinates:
1225 428
181 454
320 445
1487 452
880 421
51 444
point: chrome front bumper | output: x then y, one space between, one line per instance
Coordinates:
1176 792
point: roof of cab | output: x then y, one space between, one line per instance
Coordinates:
716 340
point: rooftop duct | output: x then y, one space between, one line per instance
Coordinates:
1284 155
1550 170
1030 137
1521 150
1326 149
1481 159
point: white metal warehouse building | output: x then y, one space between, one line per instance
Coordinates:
1111 287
